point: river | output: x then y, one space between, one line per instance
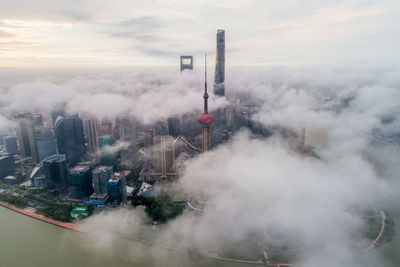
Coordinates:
26 242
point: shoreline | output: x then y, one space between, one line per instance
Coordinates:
71 226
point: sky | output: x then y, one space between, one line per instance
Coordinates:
47 33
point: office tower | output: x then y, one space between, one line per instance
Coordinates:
7 164
57 113
45 142
101 175
116 187
174 126
219 82
80 182
91 129
107 158
164 154
127 133
161 163
10 143
186 63
26 137
105 128
105 140
70 138
37 120
55 171
206 118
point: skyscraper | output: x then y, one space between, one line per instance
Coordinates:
7 164
80 181
116 187
10 143
55 171
174 126
219 81
91 129
101 175
105 127
127 133
45 141
186 63
164 154
26 137
206 119
70 138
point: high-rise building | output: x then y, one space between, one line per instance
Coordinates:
55 171
91 129
7 165
127 133
37 120
206 118
116 187
186 63
105 140
45 141
174 126
105 128
219 82
80 182
70 138
101 175
107 158
164 154
57 113
26 137
161 163
10 143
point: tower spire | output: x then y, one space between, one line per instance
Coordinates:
205 96
206 119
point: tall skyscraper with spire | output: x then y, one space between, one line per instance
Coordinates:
219 81
206 118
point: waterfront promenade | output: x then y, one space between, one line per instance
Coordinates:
70 226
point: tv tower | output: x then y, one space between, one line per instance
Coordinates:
206 119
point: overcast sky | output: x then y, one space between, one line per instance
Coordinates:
53 33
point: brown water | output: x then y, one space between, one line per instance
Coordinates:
28 242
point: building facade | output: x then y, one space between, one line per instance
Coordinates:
101 175
7 165
55 171
80 182
70 138
45 141
116 187
219 81
126 129
10 143
26 136
92 129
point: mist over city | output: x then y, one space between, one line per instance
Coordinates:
229 133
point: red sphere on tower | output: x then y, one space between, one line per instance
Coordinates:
206 119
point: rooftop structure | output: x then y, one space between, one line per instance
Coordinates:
186 63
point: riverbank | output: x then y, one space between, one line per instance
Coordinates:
70 226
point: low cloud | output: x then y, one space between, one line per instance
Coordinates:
256 184
113 149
